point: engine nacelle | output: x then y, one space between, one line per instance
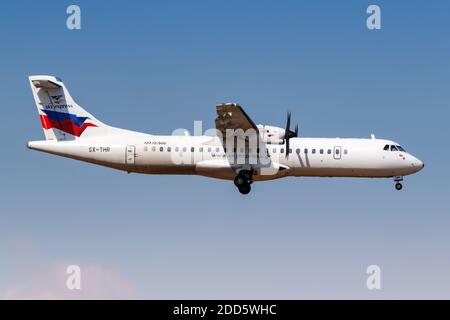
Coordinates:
271 134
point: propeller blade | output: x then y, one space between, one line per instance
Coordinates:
288 134
288 122
287 147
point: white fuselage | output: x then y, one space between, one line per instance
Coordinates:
205 155
240 150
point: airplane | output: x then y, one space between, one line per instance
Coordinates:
239 150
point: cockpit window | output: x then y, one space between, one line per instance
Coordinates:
393 148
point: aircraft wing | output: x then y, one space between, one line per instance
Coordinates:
232 116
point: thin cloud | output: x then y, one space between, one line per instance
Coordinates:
35 276
97 282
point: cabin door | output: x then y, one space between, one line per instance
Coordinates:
130 155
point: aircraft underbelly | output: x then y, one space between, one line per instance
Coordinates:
345 172
164 169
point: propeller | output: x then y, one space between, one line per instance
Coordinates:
288 134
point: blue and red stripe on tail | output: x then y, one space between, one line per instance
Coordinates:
65 122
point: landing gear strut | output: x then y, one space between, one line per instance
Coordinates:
243 181
398 185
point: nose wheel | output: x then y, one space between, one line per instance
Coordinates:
243 181
398 185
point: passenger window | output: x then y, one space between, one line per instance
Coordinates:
297 151
153 149
306 151
168 149
145 148
329 151
321 151
282 150
345 151
184 149
177 149
393 148
209 149
161 149
192 149
217 149
290 150
313 151
337 151
386 148
200 149
274 150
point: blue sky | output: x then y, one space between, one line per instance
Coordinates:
158 66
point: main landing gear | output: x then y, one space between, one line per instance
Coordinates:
243 181
398 185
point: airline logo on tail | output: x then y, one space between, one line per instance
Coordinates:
66 122
57 99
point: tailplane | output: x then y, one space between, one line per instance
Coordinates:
61 117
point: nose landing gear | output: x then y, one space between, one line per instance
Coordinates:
243 181
398 185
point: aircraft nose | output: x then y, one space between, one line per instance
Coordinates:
418 164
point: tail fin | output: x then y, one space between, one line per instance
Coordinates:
61 117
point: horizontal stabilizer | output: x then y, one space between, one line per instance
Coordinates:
46 84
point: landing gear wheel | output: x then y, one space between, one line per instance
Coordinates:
398 186
245 188
243 181
239 181
247 175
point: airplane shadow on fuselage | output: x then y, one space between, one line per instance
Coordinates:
303 163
